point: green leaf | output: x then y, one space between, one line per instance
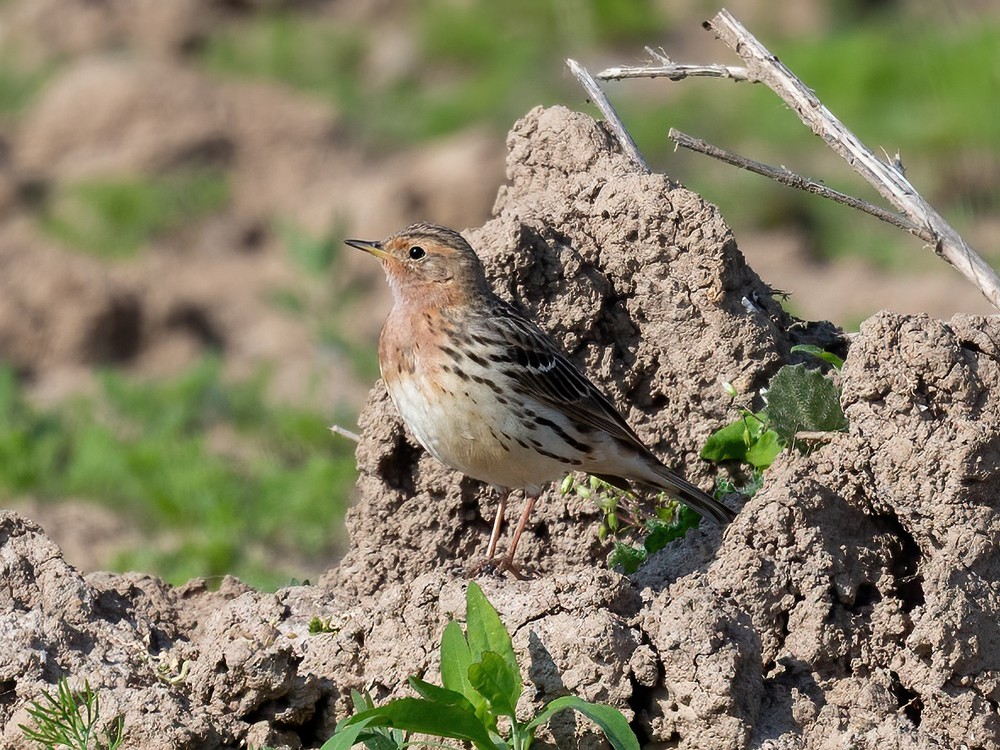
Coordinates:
485 632
492 677
455 661
748 439
726 444
627 558
441 695
426 717
814 350
764 450
361 701
346 737
609 719
801 399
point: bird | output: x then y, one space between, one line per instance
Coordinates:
489 394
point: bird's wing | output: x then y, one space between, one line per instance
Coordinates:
540 370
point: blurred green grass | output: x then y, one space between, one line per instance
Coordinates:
221 481
114 218
896 78
472 62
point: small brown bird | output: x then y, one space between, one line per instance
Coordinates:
487 393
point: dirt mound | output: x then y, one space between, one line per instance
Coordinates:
642 283
852 603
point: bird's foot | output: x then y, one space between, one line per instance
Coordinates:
496 566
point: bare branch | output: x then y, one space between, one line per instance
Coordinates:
815 436
786 177
664 67
336 429
887 178
597 96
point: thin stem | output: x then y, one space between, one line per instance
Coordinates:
663 67
787 177
336 429
886 177
614 122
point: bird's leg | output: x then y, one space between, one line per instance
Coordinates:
497 523
508 562
488 563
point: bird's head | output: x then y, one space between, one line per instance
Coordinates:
427 260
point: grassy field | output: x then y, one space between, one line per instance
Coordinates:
221 481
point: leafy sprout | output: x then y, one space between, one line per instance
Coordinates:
481 685
71 719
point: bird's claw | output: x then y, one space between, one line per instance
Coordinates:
495 566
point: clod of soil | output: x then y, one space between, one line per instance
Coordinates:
852 603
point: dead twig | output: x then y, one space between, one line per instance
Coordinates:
336 429
787 177
815 436
614 122
664 67
886 177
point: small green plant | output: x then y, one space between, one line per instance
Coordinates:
670 520
319 625
71 719
481 685
673 520
798 400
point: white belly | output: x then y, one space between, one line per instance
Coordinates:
461 423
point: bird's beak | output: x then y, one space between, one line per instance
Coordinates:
369 246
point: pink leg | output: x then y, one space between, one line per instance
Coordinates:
529 505
497 524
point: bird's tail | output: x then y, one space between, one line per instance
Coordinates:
691 496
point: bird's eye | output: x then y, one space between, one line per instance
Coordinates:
417 252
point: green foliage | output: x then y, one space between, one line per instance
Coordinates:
114 218
674 521
306 53
271 484
71 720
482 682
747 440
798 399
670 520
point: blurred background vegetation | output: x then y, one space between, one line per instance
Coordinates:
178 323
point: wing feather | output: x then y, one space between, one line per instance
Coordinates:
545 373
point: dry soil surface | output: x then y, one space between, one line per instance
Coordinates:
852 603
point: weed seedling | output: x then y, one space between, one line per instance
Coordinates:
481 684
70 720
